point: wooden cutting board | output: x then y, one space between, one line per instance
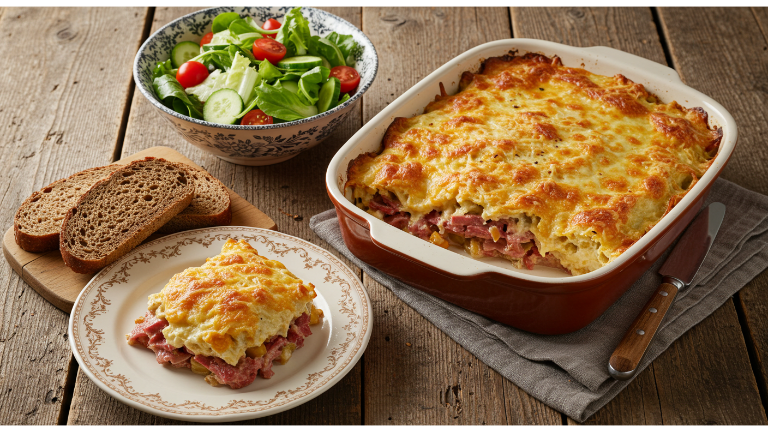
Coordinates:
49 276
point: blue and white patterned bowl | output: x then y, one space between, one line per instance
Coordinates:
252 145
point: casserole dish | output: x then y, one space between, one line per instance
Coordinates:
541 300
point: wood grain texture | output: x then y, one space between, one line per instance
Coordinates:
442 383
93 406
753 301
628 29
445 383
737 38
699 386
753 298
634 31
57 283
296 187
61 112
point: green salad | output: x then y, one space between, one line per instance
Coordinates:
250 74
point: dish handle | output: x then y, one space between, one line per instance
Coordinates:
402 244
640 63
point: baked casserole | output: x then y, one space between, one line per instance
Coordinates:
537 163
230 318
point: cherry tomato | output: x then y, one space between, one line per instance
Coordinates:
271 24
348 76
191 74
269 49
256 117
206 39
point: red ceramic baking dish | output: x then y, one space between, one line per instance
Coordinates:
542 300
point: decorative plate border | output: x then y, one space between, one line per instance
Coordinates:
98 368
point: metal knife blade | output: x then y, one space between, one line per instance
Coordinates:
689 253
678 272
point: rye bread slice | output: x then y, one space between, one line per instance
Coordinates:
211 205
37 223
122 210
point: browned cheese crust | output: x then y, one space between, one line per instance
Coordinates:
587 163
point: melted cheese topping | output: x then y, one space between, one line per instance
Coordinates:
236 300
590 162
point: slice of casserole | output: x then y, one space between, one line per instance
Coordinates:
537 163
230 318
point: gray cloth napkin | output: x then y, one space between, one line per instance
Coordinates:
569 372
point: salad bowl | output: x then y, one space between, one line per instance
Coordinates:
252 144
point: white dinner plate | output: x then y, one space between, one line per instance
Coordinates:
106 308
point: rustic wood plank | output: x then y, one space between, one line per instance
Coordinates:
445 383
61 113
761 15
628 29
737 38
633 30
753 299
297 187
338 405
700 386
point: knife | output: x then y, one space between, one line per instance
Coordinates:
677 273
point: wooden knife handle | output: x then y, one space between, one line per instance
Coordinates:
631 349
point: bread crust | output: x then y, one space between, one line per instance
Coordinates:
187 221
48 242
190 222
83 265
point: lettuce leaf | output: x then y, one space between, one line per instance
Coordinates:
294 33
172 94
347 46
163 68
222 21
248 26
203 90
281 103
311 81
240 77
322 47
268 71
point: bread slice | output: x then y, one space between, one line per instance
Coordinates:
37 223
122 210
211 205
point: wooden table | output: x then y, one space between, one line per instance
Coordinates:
69 103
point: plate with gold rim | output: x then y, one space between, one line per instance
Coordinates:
105 311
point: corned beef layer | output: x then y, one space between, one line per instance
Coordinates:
149 334
509 244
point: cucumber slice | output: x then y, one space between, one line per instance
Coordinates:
329 94
183 51
300 62
222 107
